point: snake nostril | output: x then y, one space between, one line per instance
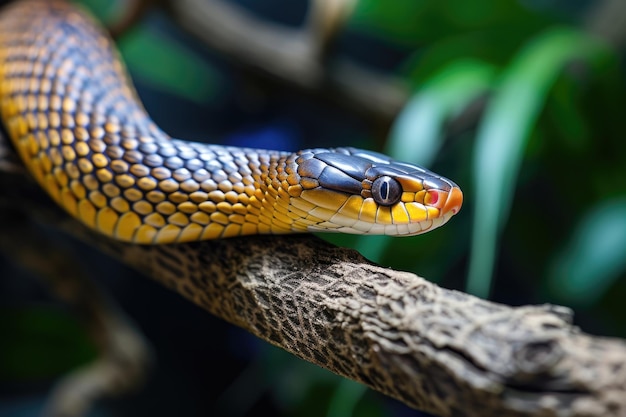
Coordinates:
431 198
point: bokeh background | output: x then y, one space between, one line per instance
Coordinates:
521 102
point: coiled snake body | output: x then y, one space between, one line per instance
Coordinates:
73 116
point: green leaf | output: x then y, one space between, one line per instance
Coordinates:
168 65
508 123
418 131
422 22
594 257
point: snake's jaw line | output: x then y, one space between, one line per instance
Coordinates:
73 116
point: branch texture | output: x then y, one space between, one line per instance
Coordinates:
434 349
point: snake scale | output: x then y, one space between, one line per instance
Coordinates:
70 109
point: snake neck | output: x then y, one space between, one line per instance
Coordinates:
75 119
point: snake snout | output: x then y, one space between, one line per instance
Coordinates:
447 199
454 201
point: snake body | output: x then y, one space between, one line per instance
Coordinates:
74 118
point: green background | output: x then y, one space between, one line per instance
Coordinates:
519 102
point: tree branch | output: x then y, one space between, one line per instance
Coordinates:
294 56
607 19
437 350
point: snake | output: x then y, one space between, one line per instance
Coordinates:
70 109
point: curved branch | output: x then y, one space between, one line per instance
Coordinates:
607 19
294 56
437 350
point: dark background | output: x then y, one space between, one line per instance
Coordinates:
538 85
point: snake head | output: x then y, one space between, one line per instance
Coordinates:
351 190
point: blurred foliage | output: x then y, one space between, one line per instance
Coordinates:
31 336
513 100
505 129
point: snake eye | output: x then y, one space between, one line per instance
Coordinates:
386 191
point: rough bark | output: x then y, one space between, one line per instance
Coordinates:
434 349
